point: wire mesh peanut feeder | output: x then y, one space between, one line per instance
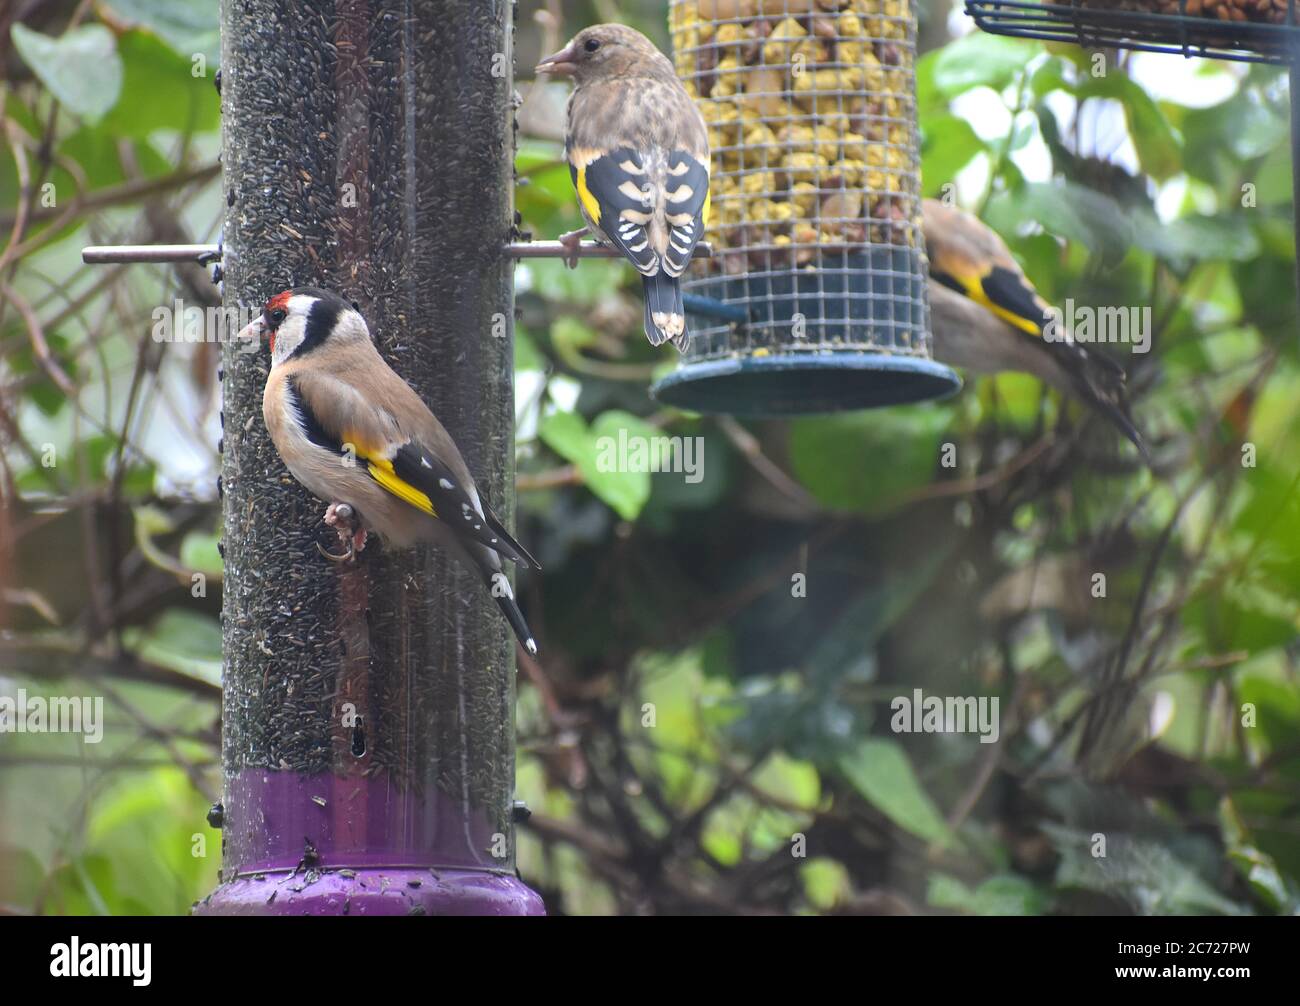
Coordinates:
815 297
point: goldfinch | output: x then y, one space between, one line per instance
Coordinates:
355 434
638 153
987 317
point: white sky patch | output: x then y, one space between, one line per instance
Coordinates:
986 112
972 180
564 392
1162 713
1034 159
1102 130
1103 133
528 386
1196 83
959 22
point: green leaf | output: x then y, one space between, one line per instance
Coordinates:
199 552
526 355
1048 77
1159 147
621 482
880 771
981 60
1067 210
1150 875
184 641
570 335
150 828
1240 129
190 27
1196 238
866 460
159 92
825 882
950 144
1014 398
1273 179
1003 894
1257 867
591 281
81 68
794 783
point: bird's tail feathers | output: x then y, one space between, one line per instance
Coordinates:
506 544
1101 383
665 313
499 586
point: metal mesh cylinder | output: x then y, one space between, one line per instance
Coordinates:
815 298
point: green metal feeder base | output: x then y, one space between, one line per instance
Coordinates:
795 384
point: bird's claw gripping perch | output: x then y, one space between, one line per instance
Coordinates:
572 242
342 518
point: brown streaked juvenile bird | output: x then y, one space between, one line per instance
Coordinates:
638 153
987 317
353 432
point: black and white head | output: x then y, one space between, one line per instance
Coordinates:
301 320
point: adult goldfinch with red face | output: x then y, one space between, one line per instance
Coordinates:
638 153
353 432
987 317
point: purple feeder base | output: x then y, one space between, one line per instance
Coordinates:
345 845
373 891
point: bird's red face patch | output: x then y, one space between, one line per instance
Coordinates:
279 302
274 312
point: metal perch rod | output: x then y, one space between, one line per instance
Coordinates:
111 254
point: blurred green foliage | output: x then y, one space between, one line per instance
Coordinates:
710 728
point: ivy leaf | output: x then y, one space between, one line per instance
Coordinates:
189 27
1159 147
1068 210
621 482
81 68
159 91
199 552
903 443
184 641
950 144
880 771
981 60
1003 894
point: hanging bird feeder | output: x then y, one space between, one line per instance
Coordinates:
814 299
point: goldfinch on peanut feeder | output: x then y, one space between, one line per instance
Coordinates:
987 317
638 152
355 434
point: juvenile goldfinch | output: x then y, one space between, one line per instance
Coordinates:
638 153
987 317
353 432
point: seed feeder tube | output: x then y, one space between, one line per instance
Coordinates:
367 723
815 297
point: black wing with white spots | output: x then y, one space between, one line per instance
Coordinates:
686 196
452 504
617 185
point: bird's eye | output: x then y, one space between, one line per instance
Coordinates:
592 44
277 316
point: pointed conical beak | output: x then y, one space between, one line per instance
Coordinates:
251 334
562 63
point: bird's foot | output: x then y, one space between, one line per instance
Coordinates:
342 518
572 241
